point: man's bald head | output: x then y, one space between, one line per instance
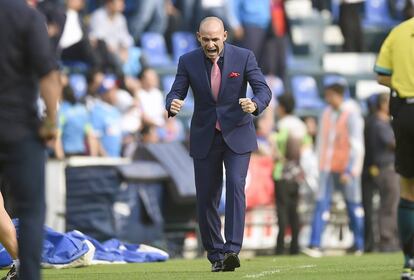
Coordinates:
209 23
211 35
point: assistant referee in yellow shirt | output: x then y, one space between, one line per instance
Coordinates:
395 69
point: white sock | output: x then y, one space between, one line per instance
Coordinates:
16 263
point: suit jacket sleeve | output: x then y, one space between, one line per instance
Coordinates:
261 91
179 88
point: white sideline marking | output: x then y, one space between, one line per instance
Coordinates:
307 266
262 274
270 272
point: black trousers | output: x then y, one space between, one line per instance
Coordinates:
287 196
23 165
350 24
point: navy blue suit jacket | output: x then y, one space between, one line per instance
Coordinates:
237 126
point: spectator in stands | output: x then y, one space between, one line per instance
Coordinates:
131 122
351 25
261 26
312 127
253 20
55 18
151 98
149 16
94 80
77 50
308 159
149 134
274 58
379 145
74 42
8 239
287 174
130 109
275 55
109 24
106 118
27 64
187 9
394 67
340 149
75 130
220 8
264 126
172 131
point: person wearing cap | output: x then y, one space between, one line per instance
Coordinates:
107 119
394 68
75 135
27 65
340 148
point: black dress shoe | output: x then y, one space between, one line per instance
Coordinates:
231 262
217 266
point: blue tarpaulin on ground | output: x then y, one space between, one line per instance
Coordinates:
114 250
64 248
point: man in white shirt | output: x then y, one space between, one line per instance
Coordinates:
151 98
109 24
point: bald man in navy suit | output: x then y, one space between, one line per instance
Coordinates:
222 131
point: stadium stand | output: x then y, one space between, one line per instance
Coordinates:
182 42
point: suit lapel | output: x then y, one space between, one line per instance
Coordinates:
205 80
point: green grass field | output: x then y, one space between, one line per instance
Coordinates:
366 267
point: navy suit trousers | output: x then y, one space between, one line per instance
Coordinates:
209 182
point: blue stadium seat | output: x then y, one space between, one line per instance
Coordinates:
335 10
182 42
399 9
329 79
276 85
167 82
377 14
78 84
155 49
306 92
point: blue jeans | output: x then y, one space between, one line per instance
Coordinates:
329 181
149 16
23 165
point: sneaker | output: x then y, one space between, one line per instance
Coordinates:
12 274
406 274
358 253
313 252
354 251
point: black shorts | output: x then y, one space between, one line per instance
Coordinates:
402 111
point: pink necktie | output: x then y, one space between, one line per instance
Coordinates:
215 83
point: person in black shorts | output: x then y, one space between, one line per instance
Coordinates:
395 69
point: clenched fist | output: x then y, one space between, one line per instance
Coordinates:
176 106
247 105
